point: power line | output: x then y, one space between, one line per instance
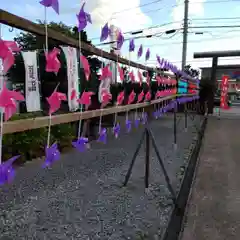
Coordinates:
219 26
141 5
193 41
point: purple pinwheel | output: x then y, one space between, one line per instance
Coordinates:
140 51
120 40
128 126
137 122
105 32
103 136
147 56
83 18
51 3
116 130
80 144
52 155
131 45
7 171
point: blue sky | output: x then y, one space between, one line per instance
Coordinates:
134 16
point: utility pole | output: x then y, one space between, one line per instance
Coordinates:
185 33
184 48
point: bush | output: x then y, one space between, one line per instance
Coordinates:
31 144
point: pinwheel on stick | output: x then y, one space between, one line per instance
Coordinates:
7 104
128 122
82 142
106 97
52 154
116 125
52 63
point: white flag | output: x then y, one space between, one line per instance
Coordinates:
72 76
32 95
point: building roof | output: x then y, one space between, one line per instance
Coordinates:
223 67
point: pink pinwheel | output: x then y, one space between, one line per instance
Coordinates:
131 76
6 53
7 171
55 101
52 155
8 101
158 94
85 99
106 73
131 97
140 97
86 67
73 94
121 73
83 18
148 96
106 97
140 77
120 98
51 3
52 62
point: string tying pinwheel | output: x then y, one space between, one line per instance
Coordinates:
106 97
82 142
105 32
52 153
85 100
55 6
6 54
116 126
131 99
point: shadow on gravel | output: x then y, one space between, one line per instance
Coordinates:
82 196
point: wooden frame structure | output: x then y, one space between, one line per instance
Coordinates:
39 122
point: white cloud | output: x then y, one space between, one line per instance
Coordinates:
196 9
125 14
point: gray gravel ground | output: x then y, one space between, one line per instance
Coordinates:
81 196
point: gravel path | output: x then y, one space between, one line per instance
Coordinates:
82 196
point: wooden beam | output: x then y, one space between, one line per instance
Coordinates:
39 122
231 53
